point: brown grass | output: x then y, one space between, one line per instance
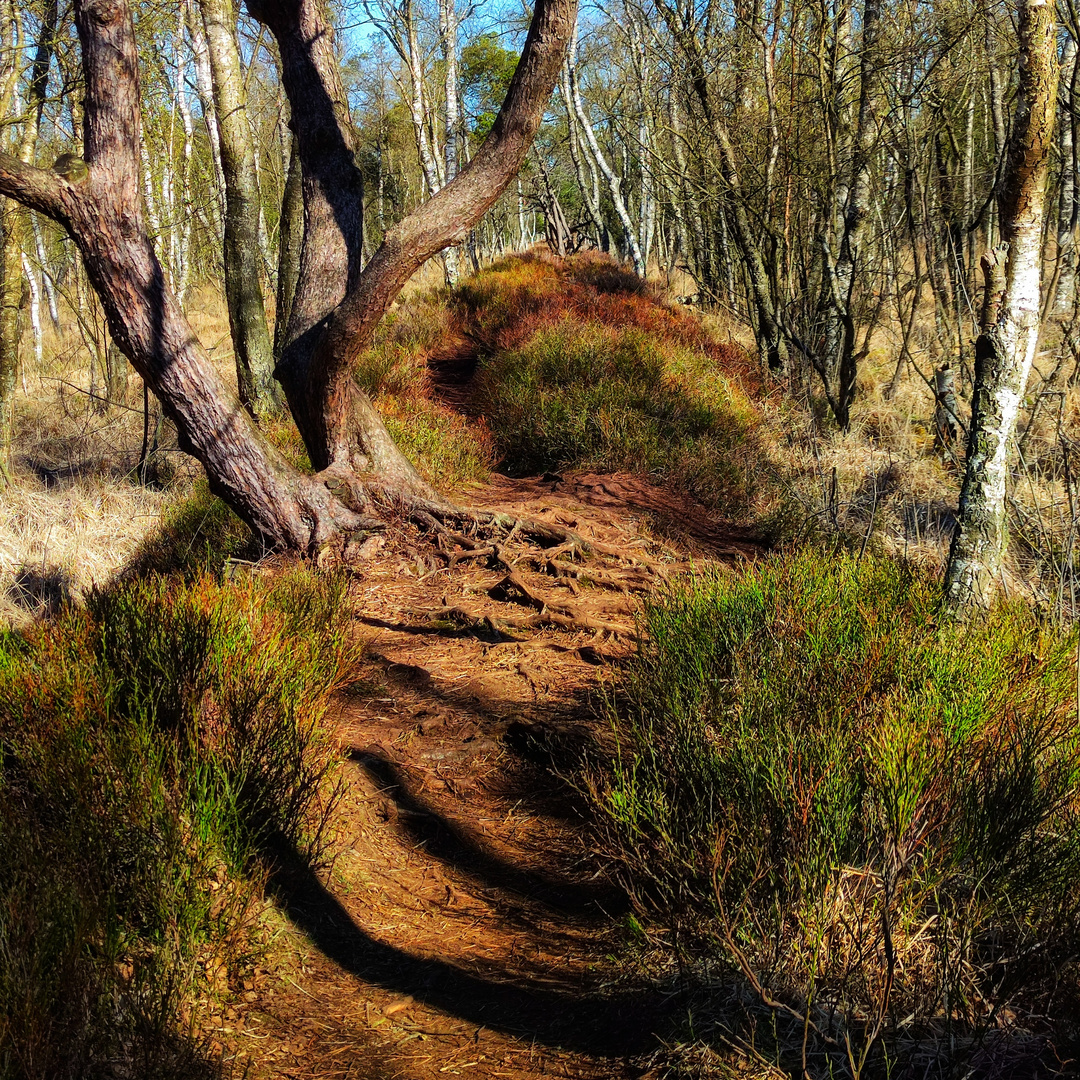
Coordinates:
75 512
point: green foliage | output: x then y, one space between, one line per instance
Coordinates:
396 363
879 810
590 396
486 70
199 534
445 448
151 746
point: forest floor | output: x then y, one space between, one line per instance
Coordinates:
464 926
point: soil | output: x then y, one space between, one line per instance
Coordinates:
465 926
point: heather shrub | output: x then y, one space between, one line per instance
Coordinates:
869 815
155 746
589 396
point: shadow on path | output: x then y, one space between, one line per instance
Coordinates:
565 1017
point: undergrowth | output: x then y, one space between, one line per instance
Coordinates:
152 745
580 365
868 816
589 396
448 450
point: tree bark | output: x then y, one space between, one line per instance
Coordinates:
1005 350
336 307
448 27
838 367
1065 293
243 290
290 237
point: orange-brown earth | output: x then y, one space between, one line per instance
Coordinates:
465 927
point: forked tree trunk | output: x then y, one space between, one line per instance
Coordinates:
838 367
1006 347
335 309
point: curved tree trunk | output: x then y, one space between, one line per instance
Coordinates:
336 308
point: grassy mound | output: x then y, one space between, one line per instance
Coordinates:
874 819
584 366
589 396
151 745
581 365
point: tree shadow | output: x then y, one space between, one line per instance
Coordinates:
454 844
41 591
612 1023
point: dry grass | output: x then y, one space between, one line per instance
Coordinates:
75 512
887 483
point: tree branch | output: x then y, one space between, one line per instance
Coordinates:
447 217
40 189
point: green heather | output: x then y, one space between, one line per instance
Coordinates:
155 747
872 812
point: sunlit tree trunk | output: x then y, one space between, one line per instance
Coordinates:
613 181
12 281
448 27
1065 294
243 289
1006 349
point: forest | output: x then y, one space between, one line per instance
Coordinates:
539 541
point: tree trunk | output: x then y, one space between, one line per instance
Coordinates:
336 307
11 231
448 27
614 184
290 237
243 290
1065 294
1006 348
838 368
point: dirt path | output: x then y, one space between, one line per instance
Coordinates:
464 928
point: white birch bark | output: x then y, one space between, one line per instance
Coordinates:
448 26
204 85
1005 351
1065 295
46 273
613 181
35 309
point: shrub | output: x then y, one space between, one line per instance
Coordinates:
198 534
396 363
447 449
151 745
874 813
589 396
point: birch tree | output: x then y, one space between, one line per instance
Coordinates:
1005 350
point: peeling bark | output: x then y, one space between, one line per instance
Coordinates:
1006 348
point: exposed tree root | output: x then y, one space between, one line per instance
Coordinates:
562 555
462 533
489 626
